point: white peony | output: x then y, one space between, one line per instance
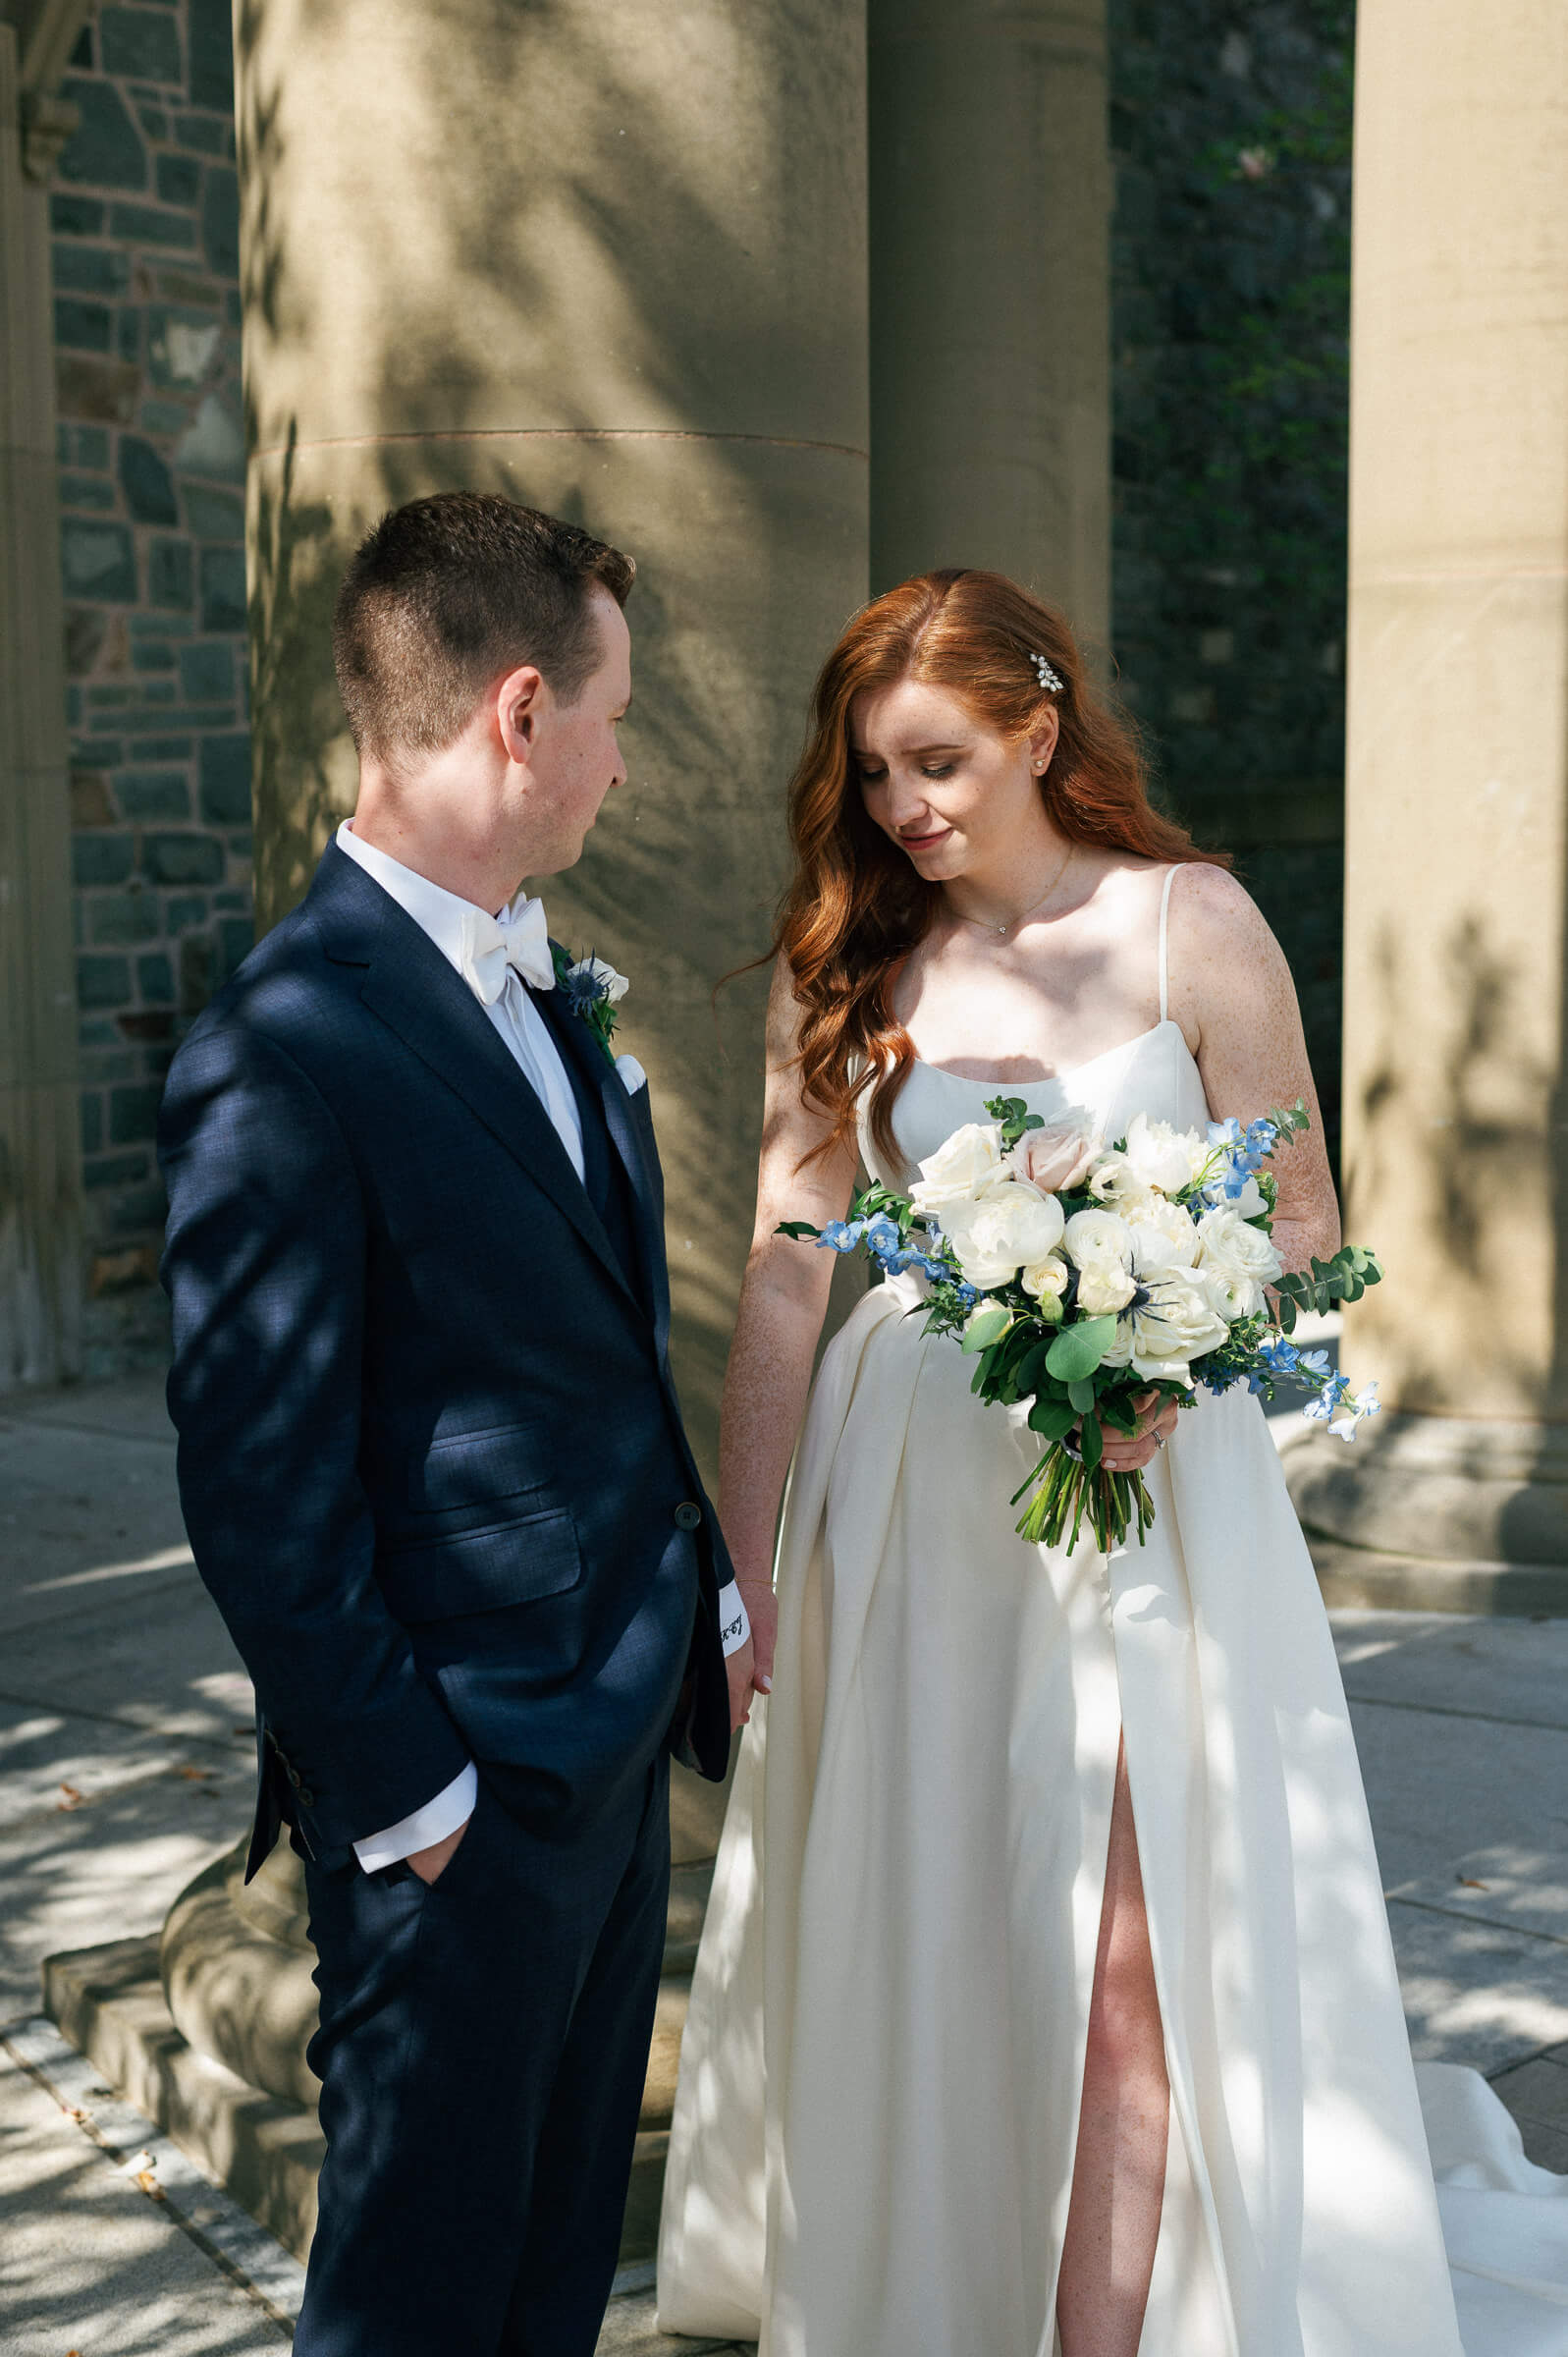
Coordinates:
1113 1179
959 1171
1010 1225
1236 1261
1099 1246
1165 1158
1164 1237
1250 1202
1176 1323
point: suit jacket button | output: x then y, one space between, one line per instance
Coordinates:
689 1515
293 1777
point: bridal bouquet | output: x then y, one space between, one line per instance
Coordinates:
1079 1275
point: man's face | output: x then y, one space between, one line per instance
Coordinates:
575 758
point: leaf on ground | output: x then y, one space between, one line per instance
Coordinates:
1468 1881
70 1798
150 2186
195 1775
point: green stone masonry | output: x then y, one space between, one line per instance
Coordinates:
146 228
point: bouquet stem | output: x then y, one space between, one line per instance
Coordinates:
1067 1493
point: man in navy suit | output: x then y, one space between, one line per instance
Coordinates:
431 1459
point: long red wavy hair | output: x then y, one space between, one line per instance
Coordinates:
855 905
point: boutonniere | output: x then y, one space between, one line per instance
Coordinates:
592 990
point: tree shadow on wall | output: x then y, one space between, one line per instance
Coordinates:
1483 1142
673 380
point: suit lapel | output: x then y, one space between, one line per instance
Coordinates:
629 1134
411 988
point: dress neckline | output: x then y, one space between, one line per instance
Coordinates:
1070 1072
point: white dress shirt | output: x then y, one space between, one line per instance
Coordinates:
453 925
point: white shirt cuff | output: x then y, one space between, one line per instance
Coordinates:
733 1626
433 1822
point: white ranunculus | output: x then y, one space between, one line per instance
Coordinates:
612 986
1175 1325
1099 1246
1047 1280
1236 1261
1053 1159
1165 1158
1164 1237
1013 1223
960 1170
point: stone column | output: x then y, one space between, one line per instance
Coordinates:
40 1183
611 263
990 294
1456 1125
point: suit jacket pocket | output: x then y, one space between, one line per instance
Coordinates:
481 1570
469 1468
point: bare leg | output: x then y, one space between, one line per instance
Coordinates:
1119 2173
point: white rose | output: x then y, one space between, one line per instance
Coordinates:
1053 1159
1175 1325
612 986
1165 1158
1236 1262
1164 1237
960 1170
1011 1224
1099 1246
1047 1280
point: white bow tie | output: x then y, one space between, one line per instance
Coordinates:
517 941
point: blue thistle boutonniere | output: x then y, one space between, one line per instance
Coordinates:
592 990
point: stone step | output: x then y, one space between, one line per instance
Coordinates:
266 2151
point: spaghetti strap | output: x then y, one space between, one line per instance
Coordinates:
1164 927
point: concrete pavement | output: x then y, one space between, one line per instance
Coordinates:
125 1766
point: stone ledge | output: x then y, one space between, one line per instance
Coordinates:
1368 1580
263 2151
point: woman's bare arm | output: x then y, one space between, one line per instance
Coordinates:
1232 994
784 1300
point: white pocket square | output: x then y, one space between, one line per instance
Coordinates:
633 1073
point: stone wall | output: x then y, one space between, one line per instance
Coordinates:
1230 128
144 217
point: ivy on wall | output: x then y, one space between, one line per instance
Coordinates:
1230 128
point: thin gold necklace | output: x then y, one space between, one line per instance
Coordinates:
984 923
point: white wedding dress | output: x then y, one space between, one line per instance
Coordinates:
876 2117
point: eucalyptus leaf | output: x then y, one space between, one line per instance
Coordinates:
1082 1396
985 1329
1091 1441
1051 1418
1078 1349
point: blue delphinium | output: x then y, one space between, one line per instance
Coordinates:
842 1236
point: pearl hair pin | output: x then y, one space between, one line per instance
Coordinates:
1050 680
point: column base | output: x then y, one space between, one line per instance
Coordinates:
1447 1489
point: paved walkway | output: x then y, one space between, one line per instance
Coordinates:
125 1763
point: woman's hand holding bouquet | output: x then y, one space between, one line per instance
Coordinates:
1085 1277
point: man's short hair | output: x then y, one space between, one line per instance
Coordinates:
445 596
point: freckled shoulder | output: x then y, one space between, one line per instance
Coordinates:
1222 953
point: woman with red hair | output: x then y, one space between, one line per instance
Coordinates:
1057 2007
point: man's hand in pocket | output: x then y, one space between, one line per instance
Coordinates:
430 1864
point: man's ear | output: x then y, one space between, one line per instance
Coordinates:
519 703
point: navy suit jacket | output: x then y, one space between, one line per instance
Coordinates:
431 1460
